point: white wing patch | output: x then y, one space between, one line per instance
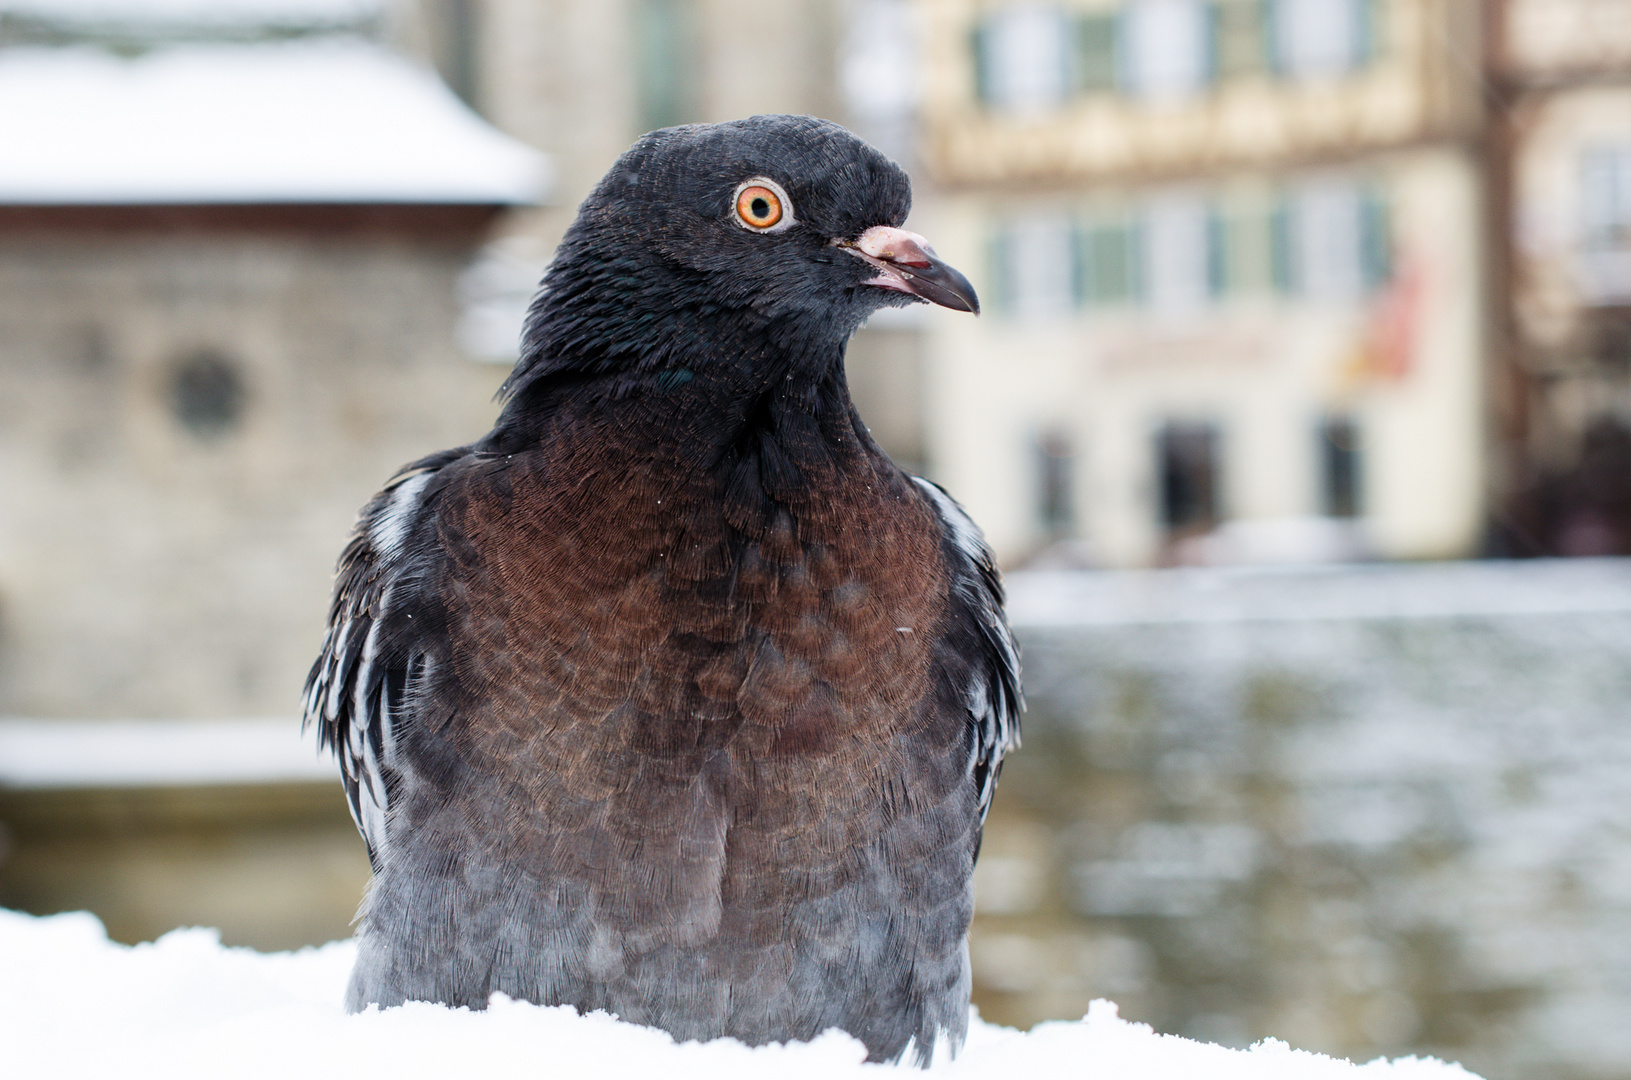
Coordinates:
389 528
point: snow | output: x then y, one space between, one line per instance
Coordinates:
144 753
330 121
1060 598
72 1004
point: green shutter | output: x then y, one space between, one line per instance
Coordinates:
979 43
1213 67
1271 37
1240 46
1133 260
1094 64
999 269
1281 269
1079 266
666 78
1376 241
1367 29
1110 273
1218 281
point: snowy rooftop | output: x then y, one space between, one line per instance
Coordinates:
195 12
333 121
74 1005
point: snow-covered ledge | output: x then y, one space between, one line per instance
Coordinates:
46 754
74 1005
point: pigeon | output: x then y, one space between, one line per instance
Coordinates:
673 696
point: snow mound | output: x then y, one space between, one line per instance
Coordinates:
73 1004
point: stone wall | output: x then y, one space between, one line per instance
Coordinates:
188 425
1373 810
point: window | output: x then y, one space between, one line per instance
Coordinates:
1605 197
1335 242
207 394
1021 60
1177 259
1187 460
1605 224
1320 38
666 55
878 66
1056 458
1168 48
1036 267
1326 246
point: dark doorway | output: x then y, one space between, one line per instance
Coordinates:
1188 454
1055 474
1341 474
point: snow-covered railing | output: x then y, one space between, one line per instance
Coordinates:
41 754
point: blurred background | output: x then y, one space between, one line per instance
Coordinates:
1300 418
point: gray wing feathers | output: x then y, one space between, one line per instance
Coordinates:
993 695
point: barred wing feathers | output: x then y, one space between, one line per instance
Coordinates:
992 696
358 691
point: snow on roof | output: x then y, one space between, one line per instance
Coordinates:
333 121
74 1005
154 753
195 12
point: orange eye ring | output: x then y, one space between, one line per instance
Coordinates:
758 207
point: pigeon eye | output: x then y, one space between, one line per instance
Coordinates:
761 205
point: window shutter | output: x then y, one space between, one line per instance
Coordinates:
980 45
1217 254
1281 247
999 269
1376 241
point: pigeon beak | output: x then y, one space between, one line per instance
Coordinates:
906 263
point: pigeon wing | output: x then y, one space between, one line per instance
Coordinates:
362 687
992 694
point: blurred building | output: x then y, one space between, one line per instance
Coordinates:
231 237
229 244
1233 258
1563 167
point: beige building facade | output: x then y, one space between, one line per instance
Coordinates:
1233 262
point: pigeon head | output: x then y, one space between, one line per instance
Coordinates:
763 242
